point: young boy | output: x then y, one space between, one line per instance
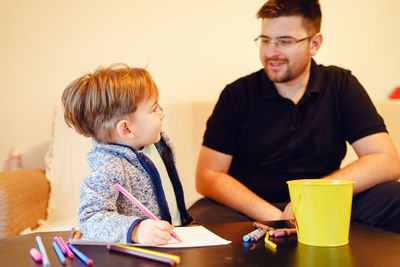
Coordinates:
117 107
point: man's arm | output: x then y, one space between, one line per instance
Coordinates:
212 181
377 162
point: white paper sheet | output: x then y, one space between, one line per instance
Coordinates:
192 236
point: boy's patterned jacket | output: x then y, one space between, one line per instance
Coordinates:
104 213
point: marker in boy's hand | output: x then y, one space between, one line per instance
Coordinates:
152 233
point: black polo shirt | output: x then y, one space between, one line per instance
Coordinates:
272 140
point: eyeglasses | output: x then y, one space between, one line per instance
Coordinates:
280 41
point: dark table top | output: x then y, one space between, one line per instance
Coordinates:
368 246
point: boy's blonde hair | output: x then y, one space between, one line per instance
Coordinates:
95 102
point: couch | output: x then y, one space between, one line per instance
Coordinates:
46 200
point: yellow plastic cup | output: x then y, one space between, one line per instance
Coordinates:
322 209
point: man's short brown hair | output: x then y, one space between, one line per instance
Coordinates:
310 10
95 102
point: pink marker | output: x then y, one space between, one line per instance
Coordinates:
70 254
142 207
36 255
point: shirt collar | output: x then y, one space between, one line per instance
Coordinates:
313 86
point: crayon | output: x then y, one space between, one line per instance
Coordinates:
258 235
268 242
262 226
247 237
282 232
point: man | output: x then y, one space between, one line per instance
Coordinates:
291 120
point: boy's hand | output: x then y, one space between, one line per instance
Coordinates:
152 232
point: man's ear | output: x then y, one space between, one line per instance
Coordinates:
316 42
124 131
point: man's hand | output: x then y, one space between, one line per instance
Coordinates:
377 162
214 182
288 213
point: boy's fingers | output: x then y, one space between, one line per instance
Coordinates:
161 237
164 226
164 235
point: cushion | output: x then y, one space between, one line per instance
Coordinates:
23 199
66 167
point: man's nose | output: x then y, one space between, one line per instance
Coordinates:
271 50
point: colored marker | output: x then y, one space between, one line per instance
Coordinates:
68 250
59 253
262 226
247 238
36 256
42 250
71 233
142 207
77 235
62 248
258 235
283 232
145 253
81 256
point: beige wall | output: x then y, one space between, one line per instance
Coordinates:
192 49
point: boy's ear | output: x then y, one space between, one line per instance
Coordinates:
124 131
